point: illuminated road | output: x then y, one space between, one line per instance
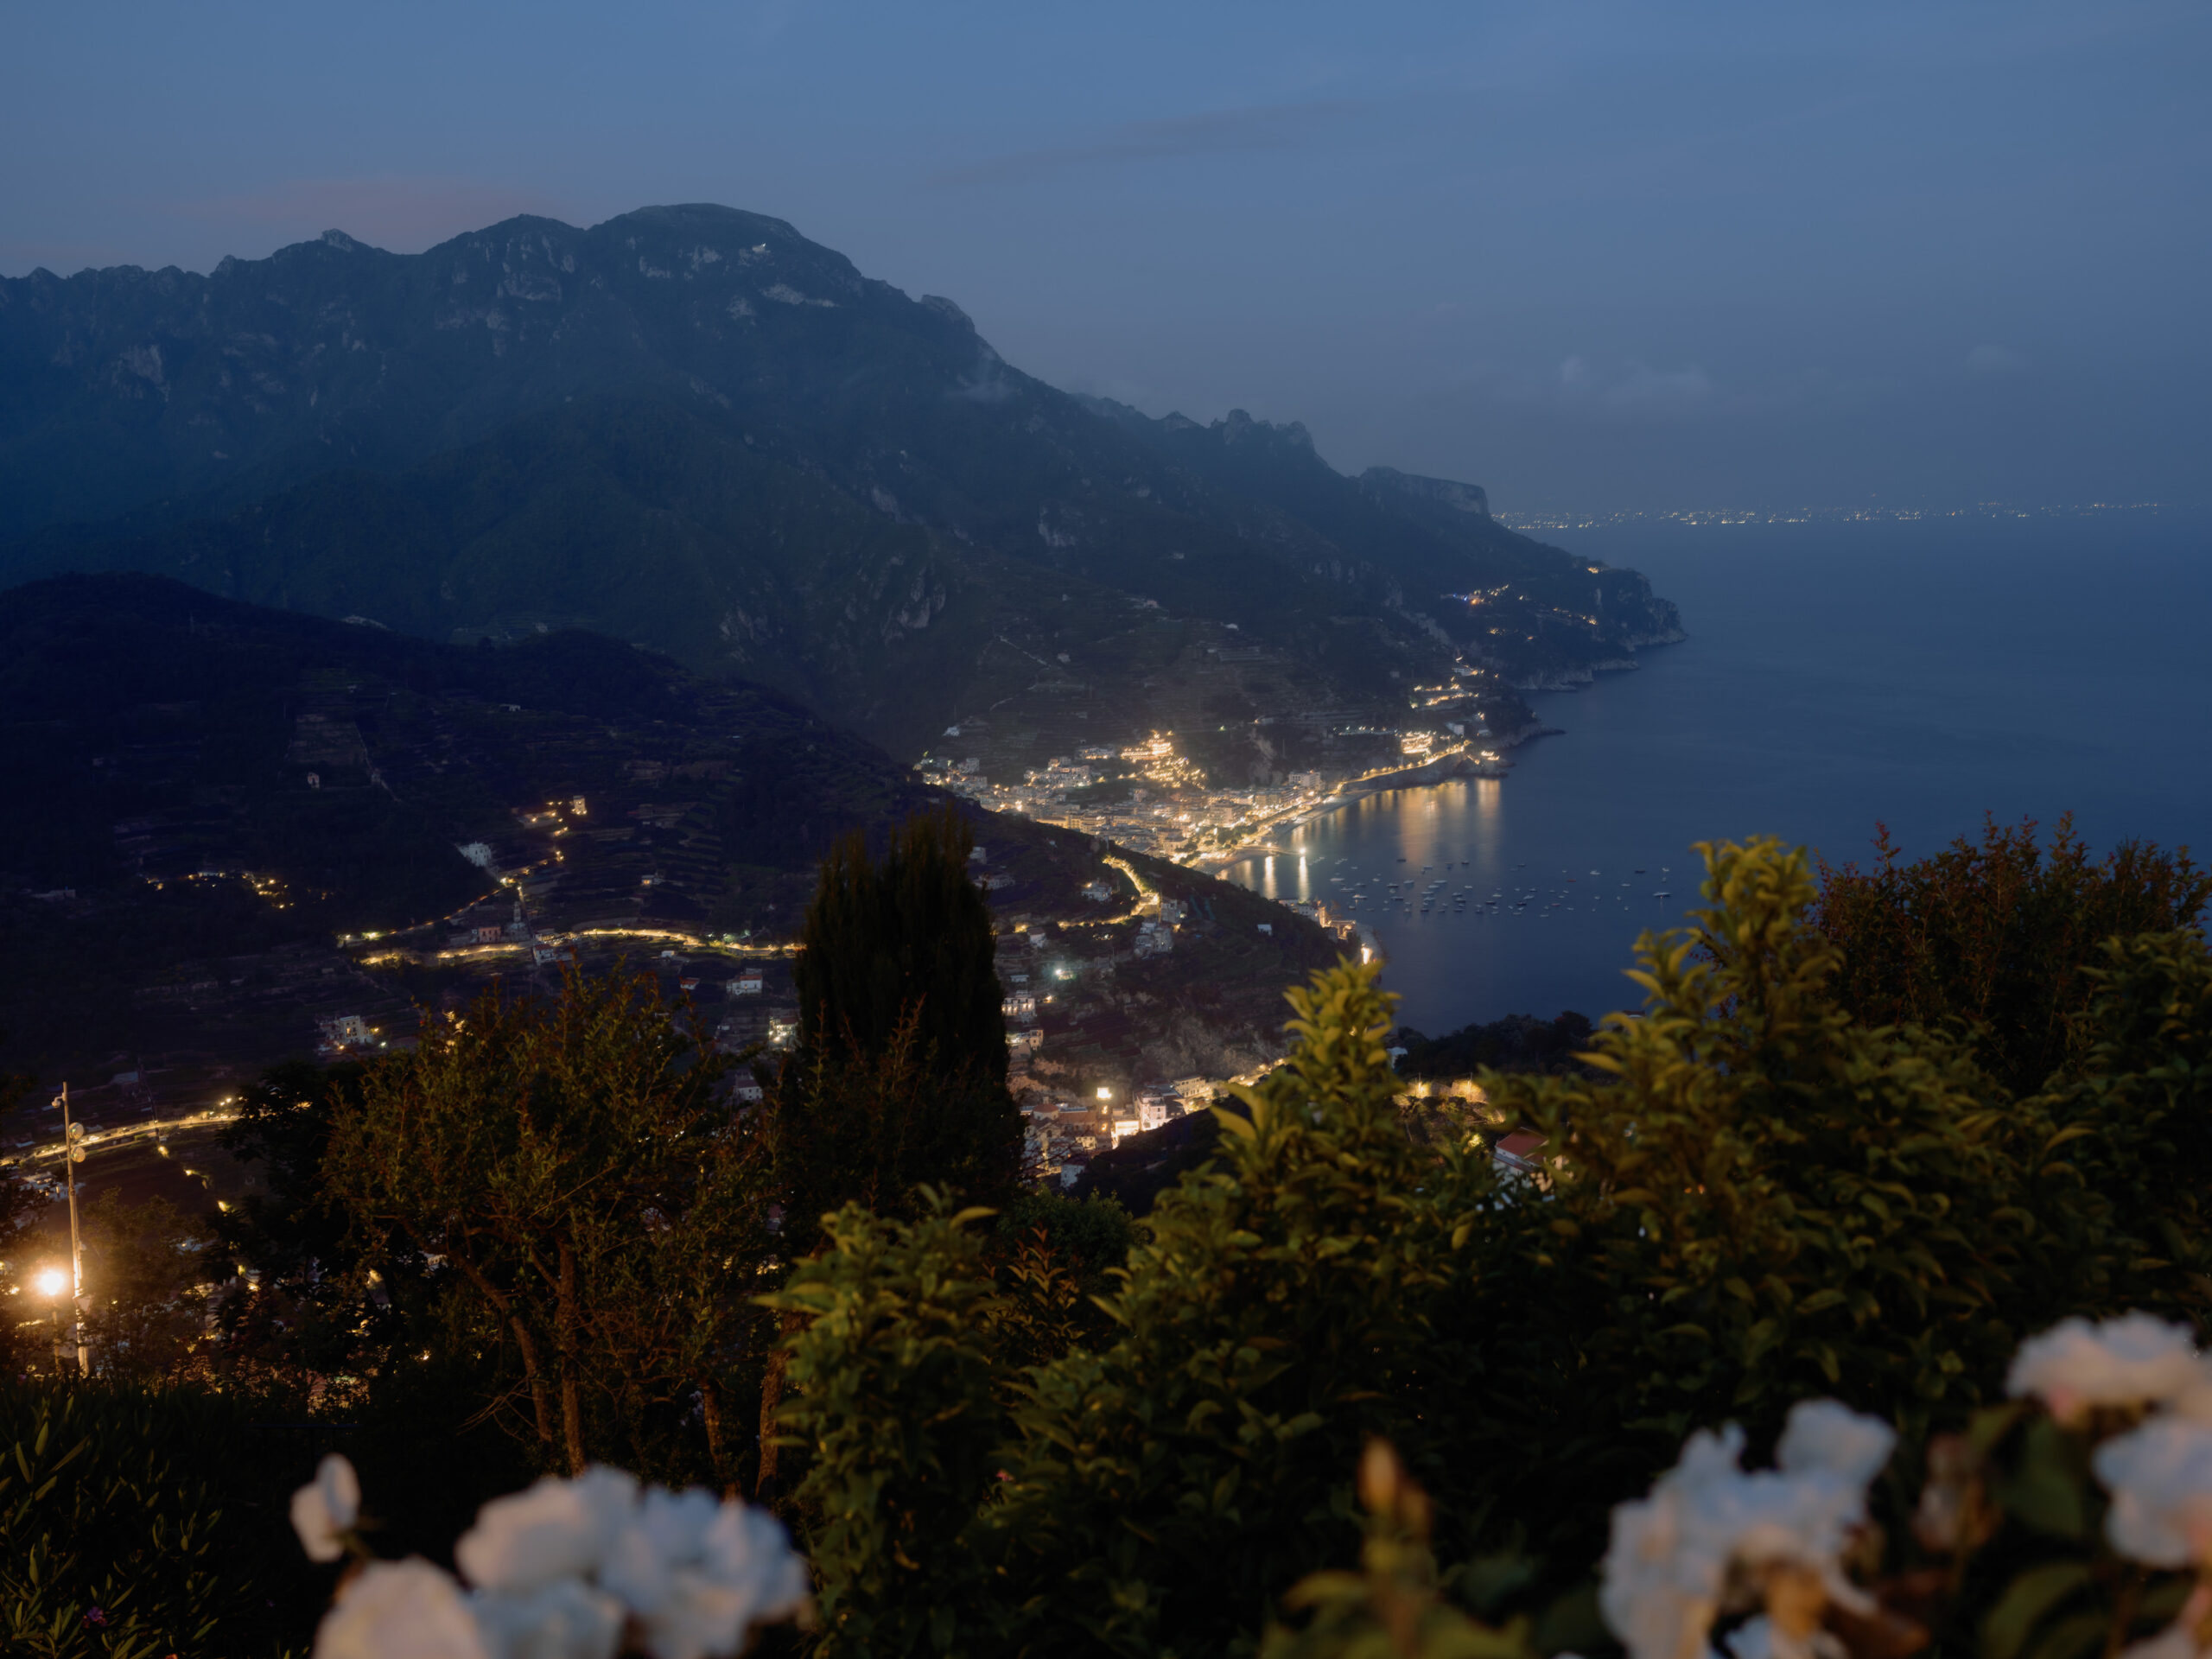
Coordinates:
132 1133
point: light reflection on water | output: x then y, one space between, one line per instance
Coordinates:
1470 934
1916 674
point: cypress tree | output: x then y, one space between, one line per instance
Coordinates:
900 1078
907 939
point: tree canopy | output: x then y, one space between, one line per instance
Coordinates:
578 1168
1999 937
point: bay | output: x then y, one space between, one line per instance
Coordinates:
1919 674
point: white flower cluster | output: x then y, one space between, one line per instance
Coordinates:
2134 1360
2160 1477
324 1510
1668 1567
566 1570
2159 1473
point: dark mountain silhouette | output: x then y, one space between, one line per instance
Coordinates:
692 428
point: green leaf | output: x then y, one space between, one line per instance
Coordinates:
1759 1340
2074 1636
2024 1603
2045 1492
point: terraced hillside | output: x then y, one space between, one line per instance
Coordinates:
228 823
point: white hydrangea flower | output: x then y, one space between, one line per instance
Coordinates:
1759 1638
699 1575
400 1609
2160 1477
563 1570
326 1508
2129 1361
562 1620
2175 1642
1658 1592
1668 1566
1822 1434
554 1530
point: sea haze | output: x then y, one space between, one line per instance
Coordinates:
1919 674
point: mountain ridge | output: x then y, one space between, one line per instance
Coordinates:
157 419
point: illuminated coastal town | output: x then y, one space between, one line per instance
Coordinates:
1150 797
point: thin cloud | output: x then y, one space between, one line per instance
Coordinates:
1636 388
1216 131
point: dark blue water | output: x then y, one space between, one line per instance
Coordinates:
1836 674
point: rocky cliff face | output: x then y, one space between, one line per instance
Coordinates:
1405 489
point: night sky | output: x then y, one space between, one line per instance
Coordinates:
1592 256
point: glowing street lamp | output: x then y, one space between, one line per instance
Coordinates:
50 1283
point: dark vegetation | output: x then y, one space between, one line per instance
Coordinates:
1996 941
1043 1428
1519 1042
139 1522
1135 1173
900 1077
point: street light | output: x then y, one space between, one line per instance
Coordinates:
50 1283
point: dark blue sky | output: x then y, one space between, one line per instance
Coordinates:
1592 256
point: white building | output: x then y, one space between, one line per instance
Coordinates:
339 1031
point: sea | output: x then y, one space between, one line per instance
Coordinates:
1919 674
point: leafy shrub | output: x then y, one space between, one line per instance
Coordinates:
1764 1199
138 1522
2137 1119
1998 938
1748 1196
598 1205
896 1405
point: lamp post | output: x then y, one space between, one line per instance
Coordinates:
72 1154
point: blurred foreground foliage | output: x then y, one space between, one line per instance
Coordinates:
1037 1428
1748 1196
138 1522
